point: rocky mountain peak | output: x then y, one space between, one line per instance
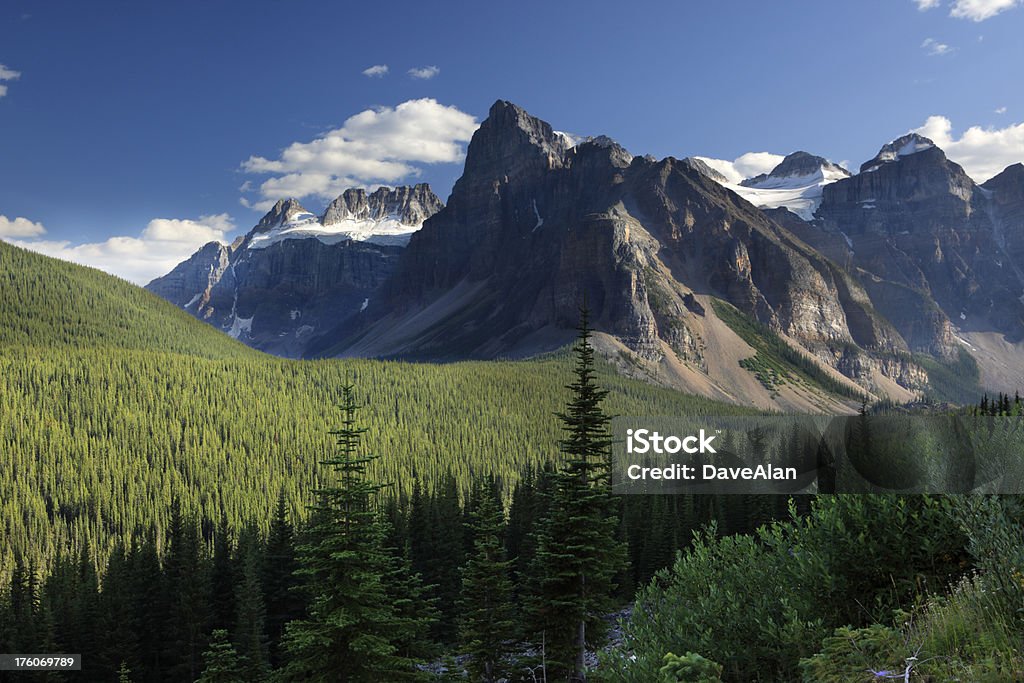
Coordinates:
618 155
509 138
1010 180
700 166
798 164
409 205
284 210
901 147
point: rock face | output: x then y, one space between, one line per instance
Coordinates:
407 205
294 274
930 244
857 273
533 229
702 167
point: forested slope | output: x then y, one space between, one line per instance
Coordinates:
113 402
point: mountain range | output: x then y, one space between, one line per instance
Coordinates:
797 289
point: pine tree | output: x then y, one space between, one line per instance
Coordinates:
187 588
283 602
579 553
222 663
249 632
415 607
487 617
222 579
117 625
352 629
124 674
447 550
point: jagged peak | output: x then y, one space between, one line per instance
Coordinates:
700 166
284 210
799 164
409 204
904 146
507 127
618 154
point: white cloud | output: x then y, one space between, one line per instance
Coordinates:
375 146
934 48
980 10
20 227
424 72
376 71
163 244
7 74
925 5
983 152
745 166
1001 110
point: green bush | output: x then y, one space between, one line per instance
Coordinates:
723 598
690 668
761 603
861 557
854 655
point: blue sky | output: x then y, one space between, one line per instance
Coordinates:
128 128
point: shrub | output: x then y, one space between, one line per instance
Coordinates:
853 655
723 598
690 668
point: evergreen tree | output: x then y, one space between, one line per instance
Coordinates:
414 605
487 623
151 607
283 601
124 674
579 553
222 580
117 625
447 551
249 632
187 588
222 663
352 629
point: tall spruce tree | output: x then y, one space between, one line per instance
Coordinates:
352 630
249 632
283 602
579 553
487 623
222 663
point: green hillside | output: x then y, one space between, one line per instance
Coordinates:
50 303
112 402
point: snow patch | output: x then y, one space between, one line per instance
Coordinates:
386 231
295 313
540 221
366 302
801 194
240 325
570 141
193 300
965 342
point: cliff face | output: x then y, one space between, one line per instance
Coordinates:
855 272
534 228
295 274
913 220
